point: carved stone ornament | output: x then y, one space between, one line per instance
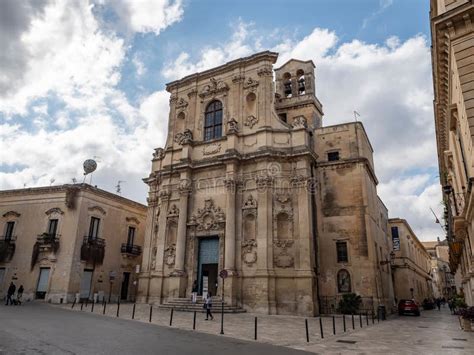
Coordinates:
192 93
132 220
11 214
174 211
185 137
299 122
212 148
97 209
181 103
250 203
265 71
173 98
249 254
238 78
164 194
251 121
232 126
208 218
170 255
185 186
159 153
56 210
264 181
250 83
283 257
215 87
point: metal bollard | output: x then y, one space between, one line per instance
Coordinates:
171 317
344 322
307 330
367 318
321 327
360 319
87 302
133 311
333 325
378 317
194 321
82 305
353 326
373 316
255 337
92 308
222 317
118 308
105 305
151 312
73 303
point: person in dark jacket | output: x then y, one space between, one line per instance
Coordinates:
19 294
208 305
10 293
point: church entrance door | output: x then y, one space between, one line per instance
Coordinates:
208 262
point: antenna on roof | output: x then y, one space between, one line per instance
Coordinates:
51 181
355 115
118 187
74 180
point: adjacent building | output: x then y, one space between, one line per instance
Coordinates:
411 263
68 240
443 282
452 33
252 185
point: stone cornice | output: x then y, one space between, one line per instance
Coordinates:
348 162
65 187
225 68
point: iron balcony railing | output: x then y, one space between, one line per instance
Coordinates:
47 238
7 247
131 249
93 249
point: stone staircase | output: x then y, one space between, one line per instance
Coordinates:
185 305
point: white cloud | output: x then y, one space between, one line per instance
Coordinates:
140 68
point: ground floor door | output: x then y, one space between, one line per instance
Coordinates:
42 286
86 282
125 284
208 261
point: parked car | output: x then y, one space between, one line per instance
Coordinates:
408 307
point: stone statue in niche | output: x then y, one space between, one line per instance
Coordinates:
170 254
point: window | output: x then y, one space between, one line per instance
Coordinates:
53 227
9 230
131 235
213 121
94 227
341 248
333 156
282 117
343 281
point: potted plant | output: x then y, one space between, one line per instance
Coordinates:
467 316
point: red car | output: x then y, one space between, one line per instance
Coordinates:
408 306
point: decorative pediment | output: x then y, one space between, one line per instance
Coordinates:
56 210
208 218
97 209
11 214
132 220
159 153
250 203
181 104
185 137
215 87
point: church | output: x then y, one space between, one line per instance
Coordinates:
250 185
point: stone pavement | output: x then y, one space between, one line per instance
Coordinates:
435 332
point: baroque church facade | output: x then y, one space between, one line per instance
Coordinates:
251 183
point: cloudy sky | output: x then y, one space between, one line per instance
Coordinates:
83 79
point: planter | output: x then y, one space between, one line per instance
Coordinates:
466 324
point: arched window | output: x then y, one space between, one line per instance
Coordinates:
213 121
343 281
301 82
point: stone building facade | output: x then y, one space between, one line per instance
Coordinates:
64 240
244 185
443 282
452 33
411 263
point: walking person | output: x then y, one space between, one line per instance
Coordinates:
208 306
10 293
194 291
438 304
19 294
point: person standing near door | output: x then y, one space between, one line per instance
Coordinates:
208 305
10 293
194 291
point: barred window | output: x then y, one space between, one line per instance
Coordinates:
213 121
341 248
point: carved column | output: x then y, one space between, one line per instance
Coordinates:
229 261
182 219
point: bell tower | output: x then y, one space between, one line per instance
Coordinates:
295 93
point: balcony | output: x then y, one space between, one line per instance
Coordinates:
130 250
45 243
93 250
7 248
